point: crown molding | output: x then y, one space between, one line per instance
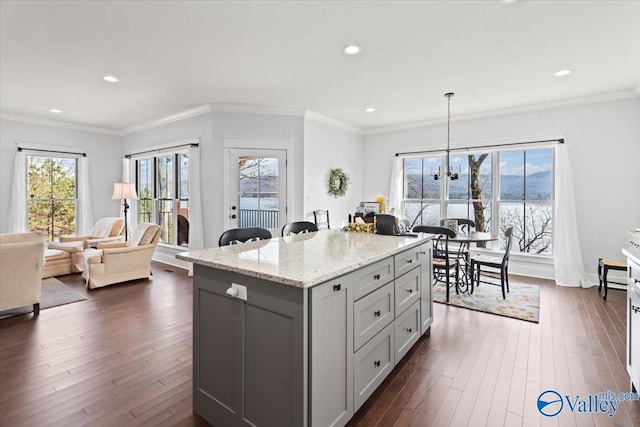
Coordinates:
312 115
192 112
607 97
54 123
257 109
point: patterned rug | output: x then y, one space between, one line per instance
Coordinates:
523 300
54 293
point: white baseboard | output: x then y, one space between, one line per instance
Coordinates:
167 255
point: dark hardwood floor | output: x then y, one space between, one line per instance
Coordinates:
123 357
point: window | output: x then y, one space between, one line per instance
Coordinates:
163 195
496 189
51 195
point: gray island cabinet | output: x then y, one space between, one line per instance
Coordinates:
301 330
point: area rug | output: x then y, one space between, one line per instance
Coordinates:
54 293
523 300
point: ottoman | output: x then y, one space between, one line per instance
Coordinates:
56 263
73 248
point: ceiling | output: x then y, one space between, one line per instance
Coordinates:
173 56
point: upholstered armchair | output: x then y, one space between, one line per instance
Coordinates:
22 255
106 229
115 262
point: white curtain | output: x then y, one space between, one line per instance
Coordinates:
84 198
566 243
18 206
396 187
196 223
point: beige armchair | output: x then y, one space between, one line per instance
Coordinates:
115 262
21 258
107 229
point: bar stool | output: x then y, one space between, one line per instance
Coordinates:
604 265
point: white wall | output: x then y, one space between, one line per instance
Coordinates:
104 153
604 146
326 148
212 128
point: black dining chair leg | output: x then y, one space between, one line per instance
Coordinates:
506 277
600 274
504 296
447 284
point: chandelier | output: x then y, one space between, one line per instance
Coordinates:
448 168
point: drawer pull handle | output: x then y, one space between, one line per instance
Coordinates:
376 313
336 288
636 281
410 261
410 290
409 330
376 363
376 277
423 252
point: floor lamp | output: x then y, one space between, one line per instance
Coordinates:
123 191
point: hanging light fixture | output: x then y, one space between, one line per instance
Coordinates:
452 175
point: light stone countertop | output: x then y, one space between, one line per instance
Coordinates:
304 260
632 255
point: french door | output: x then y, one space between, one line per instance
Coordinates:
258 190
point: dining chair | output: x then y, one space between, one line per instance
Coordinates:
298 227
241 235
464 224
493 263
321 218
443 263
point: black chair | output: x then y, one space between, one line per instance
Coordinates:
493 263
321 218
443 263
238 235
298 227
461 250
465 225
183 230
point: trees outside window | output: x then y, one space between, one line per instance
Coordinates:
51 195
494 189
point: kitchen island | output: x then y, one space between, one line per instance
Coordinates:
300 330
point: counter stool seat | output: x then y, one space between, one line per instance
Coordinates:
604 265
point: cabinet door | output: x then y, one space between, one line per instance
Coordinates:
248 365
426 288
331 360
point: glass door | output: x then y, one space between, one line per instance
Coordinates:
258 189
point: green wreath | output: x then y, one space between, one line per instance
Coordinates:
338 183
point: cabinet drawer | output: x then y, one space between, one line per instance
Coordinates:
407 290
633 273
371 365
371 314
407 332
370 278
406 260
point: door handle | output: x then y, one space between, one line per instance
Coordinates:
233 208
232 216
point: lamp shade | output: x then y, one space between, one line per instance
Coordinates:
124 190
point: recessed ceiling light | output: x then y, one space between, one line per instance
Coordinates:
55 110
563 73
352 49
111 79
370 110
